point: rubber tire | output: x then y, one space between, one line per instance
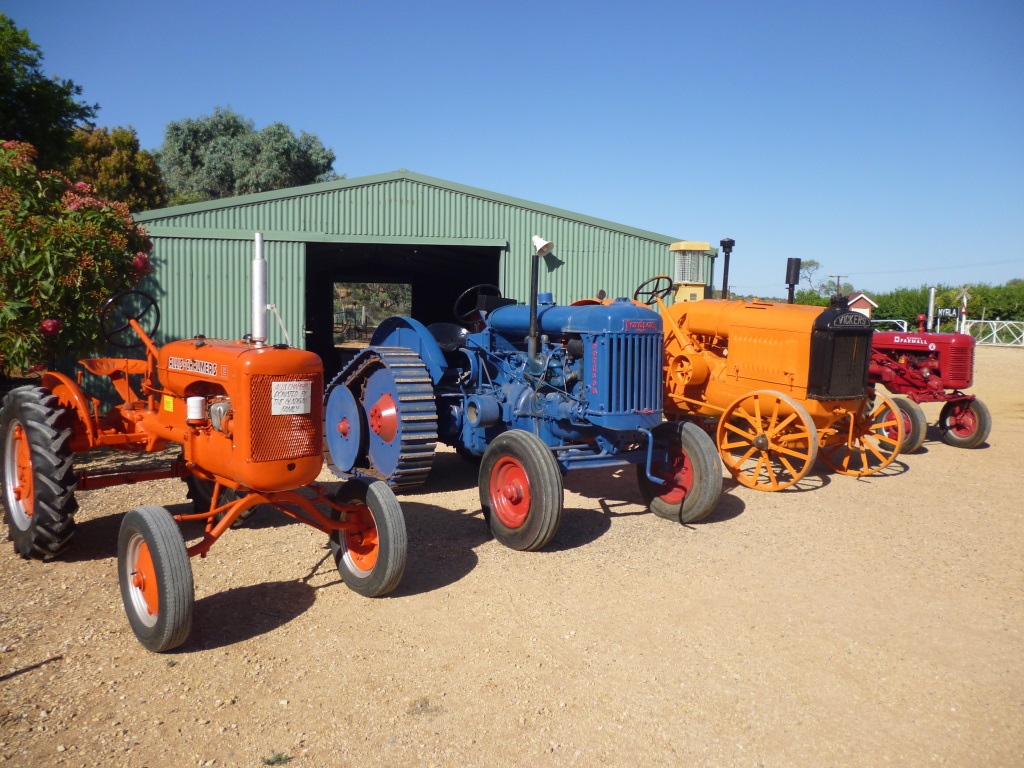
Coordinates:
977 437
48 428
545 488
392 538
175 588
698 447
915 424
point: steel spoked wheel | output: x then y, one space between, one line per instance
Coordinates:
767 440
521 490
868 439
156 578
371 559
965 423
915 424
38 476
686 459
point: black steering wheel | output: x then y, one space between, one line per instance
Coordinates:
650 291
474 292
119 311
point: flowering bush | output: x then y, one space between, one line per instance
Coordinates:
63 252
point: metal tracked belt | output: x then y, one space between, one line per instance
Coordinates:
417 412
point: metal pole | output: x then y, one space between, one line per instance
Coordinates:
259 293
931 309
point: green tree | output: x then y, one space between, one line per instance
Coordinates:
111 161
222 155
34 108
63 252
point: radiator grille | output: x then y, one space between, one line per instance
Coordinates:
839 365
291 436
633 366
961 364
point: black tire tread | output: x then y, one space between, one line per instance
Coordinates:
170 558
976 438
545 486
48 429
707 469
918 431
392 536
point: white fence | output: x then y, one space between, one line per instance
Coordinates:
1005 333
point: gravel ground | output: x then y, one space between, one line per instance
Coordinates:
844 622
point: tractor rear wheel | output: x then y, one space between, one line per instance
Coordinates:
915 424
521 490
965 424
868 439
767 440
685 457
156 578
38 476
372 559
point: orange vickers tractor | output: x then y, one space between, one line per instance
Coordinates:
249 419
784 384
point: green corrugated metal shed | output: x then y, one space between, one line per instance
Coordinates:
439 236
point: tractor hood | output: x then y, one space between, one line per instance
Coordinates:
620 316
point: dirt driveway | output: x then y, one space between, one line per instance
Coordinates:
847 623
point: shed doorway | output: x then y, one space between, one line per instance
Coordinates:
435 275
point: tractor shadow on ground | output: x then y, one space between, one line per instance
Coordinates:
235 615
441 546
934 435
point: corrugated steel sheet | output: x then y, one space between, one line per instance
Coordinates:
206 247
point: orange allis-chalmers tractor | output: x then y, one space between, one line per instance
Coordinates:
249 419
783 384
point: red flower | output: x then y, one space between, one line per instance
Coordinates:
50 327
141 264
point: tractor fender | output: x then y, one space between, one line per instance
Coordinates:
71 396
405 332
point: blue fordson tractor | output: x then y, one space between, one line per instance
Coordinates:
536 391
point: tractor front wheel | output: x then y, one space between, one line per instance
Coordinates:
38 477
767 440
685 457
521 490
965 423
867 440
156 578
915 424
371 559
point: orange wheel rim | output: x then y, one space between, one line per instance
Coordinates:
24 490
145 592
362 545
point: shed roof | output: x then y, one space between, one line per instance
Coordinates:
213 218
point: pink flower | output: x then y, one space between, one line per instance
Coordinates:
81 186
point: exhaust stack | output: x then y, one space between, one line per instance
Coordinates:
259 293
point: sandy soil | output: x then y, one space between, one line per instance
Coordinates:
847 622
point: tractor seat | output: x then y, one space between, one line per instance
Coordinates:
108 366
449 336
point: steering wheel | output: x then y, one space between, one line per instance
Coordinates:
118 312
474 292
650 291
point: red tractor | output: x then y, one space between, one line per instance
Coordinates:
931 368
249 419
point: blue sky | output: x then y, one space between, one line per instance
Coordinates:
883 139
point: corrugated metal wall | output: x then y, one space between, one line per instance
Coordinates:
204 287
211 275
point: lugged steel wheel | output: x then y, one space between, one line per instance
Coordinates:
521 493
371 560
767 440
156 578
686 459
867 440
915 424
38 476
965 423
